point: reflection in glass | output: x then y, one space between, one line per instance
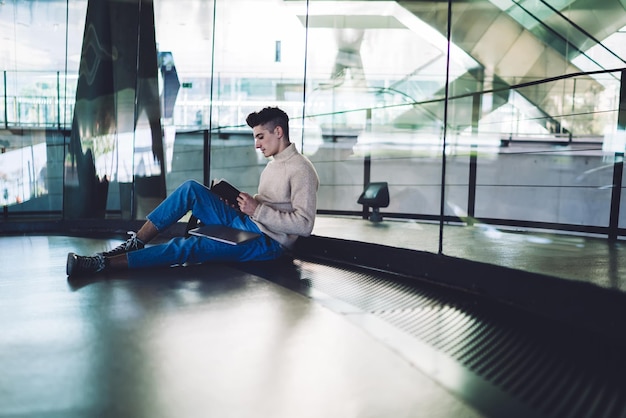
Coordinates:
116 103
33 104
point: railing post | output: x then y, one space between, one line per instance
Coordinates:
618 165
206 157
59 100
367 164
616 194
473 162
471 192
5 195
6 103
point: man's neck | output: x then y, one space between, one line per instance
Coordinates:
284 146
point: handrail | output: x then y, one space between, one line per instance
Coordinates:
512 87
563 38
410 102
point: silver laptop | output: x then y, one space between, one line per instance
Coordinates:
224 234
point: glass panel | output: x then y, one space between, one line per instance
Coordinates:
248 77
542 144
34 104
375 84
570 170
222 80
32 99
116 154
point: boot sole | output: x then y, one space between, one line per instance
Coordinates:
69 266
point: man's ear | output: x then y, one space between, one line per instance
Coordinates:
279 131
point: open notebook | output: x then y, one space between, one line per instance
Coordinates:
224 234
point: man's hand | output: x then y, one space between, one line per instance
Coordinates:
247 203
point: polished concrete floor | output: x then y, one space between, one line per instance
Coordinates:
198 341
300 338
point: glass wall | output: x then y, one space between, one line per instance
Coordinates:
542 128
39 58
487 113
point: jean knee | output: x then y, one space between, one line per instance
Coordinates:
190 188
190 185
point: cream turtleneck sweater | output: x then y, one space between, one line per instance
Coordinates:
288 197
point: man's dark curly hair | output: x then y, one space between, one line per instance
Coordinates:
272 117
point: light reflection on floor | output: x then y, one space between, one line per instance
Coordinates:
591 259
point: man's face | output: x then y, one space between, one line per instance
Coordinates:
269 142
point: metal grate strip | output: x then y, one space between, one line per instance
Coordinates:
556 372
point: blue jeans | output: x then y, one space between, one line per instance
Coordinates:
209 209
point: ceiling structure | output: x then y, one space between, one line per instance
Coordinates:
514 42
519 42
500 42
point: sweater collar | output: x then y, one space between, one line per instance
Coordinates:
286 153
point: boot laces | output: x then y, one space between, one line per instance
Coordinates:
94 263
131 243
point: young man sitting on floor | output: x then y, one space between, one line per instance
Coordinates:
283 209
